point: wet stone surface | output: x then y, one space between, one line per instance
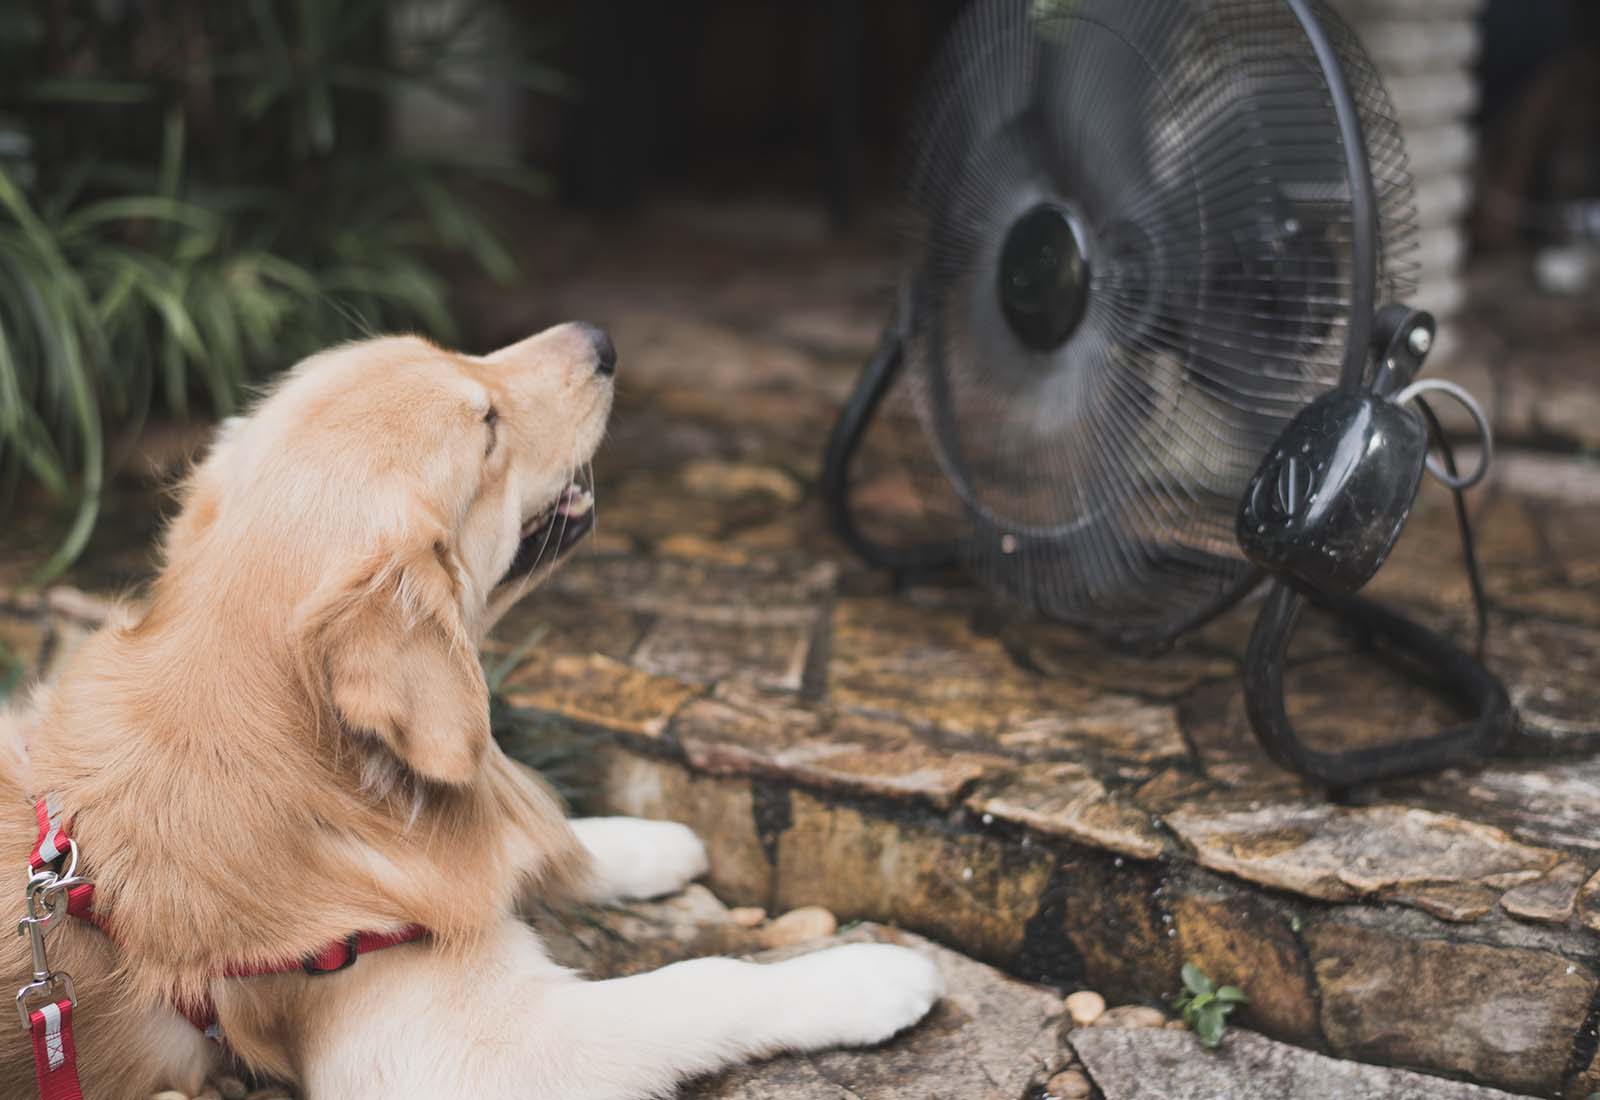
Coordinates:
1339 854
1016 789
1497 1014
1160 1064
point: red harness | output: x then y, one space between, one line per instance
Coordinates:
45 1004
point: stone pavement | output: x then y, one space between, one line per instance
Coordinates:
1013 789
991 1038
1008 788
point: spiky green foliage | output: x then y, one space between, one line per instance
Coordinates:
195 192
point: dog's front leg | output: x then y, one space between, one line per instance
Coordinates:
632 859
504 1023
653 1030
627 858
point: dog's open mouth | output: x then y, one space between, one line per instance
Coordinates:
550 534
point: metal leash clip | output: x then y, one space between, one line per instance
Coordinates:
47 896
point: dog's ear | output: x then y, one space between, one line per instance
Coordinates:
395 661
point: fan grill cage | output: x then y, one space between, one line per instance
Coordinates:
1197 143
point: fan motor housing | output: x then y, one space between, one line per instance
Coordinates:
1328 502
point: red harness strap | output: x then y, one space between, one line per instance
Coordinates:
337 956
55 1055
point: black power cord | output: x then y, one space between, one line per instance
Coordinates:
1469 550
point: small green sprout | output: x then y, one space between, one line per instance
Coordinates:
1205 1007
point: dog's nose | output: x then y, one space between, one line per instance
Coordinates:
605 352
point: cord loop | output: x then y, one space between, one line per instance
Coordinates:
1450 480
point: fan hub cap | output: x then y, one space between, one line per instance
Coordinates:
1044 276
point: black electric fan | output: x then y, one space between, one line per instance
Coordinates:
1152 324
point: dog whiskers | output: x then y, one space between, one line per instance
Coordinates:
594 498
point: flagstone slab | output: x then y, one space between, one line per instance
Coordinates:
740 732
929 666
597 690
1156 1064
1500 1014
1066 800
703 591
1339 853
1554 803
957 886
1548 900
763 654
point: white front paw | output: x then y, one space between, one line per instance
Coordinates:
632 859
855 995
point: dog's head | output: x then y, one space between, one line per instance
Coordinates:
383 506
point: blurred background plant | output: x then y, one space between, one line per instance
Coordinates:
195 194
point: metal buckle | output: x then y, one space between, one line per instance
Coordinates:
53 980
48 900
351 953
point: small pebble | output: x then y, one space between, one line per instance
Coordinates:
803 925
170 1094
1069 1084
209 1093
1177 1025
1132 1016
1085 1007
271 1092
232 1088
748 916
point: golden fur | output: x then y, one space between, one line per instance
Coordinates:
290 740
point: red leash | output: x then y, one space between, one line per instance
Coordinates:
56 892
50 897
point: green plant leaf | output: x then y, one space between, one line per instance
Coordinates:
457 224
64 316
1209 1027
89 91
1195 980
181 236
1232 995
126 208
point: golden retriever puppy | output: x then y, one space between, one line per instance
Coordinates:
288 744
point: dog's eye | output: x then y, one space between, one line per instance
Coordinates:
491 420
